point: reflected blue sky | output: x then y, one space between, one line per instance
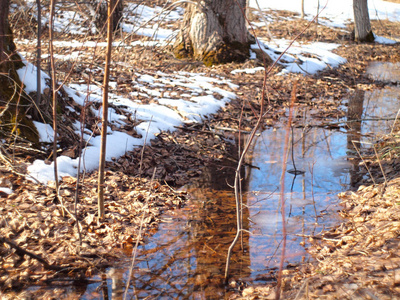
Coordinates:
321 154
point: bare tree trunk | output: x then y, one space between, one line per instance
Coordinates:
38 55
4 31
302 9
214 32
362 24
13 104
17 109
100 12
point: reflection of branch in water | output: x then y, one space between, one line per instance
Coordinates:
362 158
154 281
262 199
293 171
319 140
104 286
327 143
173 266
312 191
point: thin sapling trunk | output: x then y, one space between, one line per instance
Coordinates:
104 122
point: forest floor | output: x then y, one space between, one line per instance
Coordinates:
358 259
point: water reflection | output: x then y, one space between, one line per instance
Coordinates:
185 259
354 115
384 71
310 197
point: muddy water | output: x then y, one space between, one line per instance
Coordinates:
185 259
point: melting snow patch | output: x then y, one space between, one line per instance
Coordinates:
177 98
300 58
5 190
383 40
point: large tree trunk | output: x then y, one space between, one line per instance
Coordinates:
98 9
214 31
362 24
17 109
13 104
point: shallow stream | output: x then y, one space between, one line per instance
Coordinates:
186 257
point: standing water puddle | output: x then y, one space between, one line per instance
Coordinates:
186 257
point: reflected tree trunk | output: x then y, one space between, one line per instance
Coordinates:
215 223
188 261
354 115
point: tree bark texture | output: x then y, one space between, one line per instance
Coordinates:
13 104
362 24
214 31
17 109
99 9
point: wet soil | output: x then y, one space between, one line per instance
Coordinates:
357 259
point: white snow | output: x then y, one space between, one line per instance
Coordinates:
6 190
180 97
46 132
295 59
169 111
28 76
335 13
383 40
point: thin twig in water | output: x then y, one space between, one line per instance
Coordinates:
241 160
253 133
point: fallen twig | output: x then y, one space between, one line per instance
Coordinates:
22 251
